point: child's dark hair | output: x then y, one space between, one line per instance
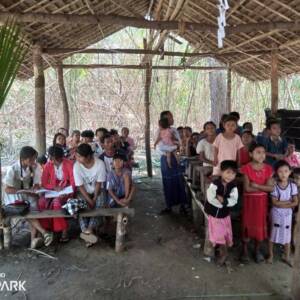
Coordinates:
209 123
104 137
87 134
113 132
101 129
271 122
246 124
281 163
296 171
223 117
164 123
230 118
179 128
56 136
119 156
229 164
85 150
75 132
235 114
28 152
56 152
247 132
42 159
255 145
291 141
188 128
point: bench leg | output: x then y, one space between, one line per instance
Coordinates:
1 239
120 232
6 237
208 247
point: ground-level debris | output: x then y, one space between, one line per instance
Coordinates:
197 246
238 296
43 253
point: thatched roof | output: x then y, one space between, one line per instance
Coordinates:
254 67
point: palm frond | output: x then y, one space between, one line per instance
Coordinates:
12 52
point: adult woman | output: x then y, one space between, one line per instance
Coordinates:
174 190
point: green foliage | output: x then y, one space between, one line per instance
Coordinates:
12 52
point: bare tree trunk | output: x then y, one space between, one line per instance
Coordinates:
147 118
217 85
40 113
66 113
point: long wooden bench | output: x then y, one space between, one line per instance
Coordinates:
121 214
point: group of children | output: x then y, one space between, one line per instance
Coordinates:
97 171
267 167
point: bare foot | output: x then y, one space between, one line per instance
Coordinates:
287 261
221 260
269 260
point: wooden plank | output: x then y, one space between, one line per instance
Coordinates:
89 213
143 23
139 67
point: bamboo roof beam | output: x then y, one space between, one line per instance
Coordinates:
142 23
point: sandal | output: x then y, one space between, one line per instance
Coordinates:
36 243
48 238
89 238
259 258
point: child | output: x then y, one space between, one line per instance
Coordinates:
74 143
60 140
100 132
276 146
221 195
126 138
292 158
205 147
20 182
258 183
248 126
108 153
239 128
57 174
296 177
119 184
247 138
284 199
90 175
227 144
166 140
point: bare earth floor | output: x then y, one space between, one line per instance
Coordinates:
162 262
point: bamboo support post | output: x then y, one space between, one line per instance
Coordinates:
274 82
122 221
228 97
39 87
7 236
66 112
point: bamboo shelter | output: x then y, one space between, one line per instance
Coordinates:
262 41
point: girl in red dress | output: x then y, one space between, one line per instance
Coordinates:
247 138
57 174
258 183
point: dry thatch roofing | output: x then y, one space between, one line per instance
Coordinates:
254 67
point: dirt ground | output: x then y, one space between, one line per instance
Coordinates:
162 261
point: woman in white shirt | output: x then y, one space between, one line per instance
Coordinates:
89 176
20 183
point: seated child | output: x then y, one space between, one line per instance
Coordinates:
292 158
100 132
248 126
284 199
222 194
74 143
166 140
20 182
247 138
60 140
126 138
205 147
119 184
89 175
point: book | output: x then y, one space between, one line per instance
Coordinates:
54 194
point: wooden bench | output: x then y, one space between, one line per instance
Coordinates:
121 214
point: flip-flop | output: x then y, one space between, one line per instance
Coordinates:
48 238
89 238
36 243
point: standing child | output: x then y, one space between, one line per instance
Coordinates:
227 144
284 199
222 194
292 158
60 141
205 147
166 140
126 138
247 138
258 183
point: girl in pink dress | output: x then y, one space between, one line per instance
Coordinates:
166 140
258 183
284 199
292 158
227 144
